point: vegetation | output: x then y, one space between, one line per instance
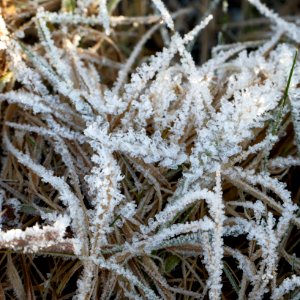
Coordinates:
164 170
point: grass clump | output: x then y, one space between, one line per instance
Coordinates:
133 172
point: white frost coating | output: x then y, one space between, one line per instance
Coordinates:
214 262
128 275
2 195
286 286
294 97
284 162
34 239
173 208
151 243
172 114
68 198
3 34
291 29
195 31
164 13
104 15
138 144
63 132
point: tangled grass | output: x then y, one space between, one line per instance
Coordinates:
135 173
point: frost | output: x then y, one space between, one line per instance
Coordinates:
164 12
291 29
104 15
287 285
34 239
141 156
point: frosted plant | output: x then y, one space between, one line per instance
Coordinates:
130 178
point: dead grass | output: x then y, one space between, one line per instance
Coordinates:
50 275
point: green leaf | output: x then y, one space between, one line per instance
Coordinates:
283 100
231 277
171 262
69 5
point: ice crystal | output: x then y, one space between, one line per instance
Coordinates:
170 116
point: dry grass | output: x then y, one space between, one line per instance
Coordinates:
52 273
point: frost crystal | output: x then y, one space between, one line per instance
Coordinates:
139 169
